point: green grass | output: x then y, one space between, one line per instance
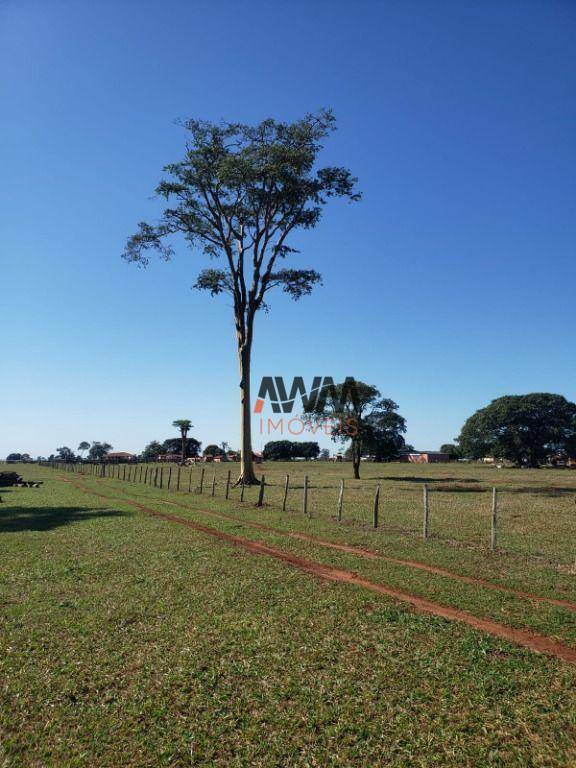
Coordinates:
131 641
536 508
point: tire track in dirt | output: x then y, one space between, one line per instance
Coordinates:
370 555
525 638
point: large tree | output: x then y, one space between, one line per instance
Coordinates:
524 429
184 425
357 412
174 445
239 193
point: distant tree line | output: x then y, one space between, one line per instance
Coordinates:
524 430
287 450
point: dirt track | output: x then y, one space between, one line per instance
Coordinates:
526 638
370 555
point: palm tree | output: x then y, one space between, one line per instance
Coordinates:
184 425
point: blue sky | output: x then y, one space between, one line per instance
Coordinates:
450 284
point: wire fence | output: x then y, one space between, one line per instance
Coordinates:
532 521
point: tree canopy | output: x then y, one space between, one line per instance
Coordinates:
213 450
453 451
523 429
153 450
99 450
174 445
65 454
286 450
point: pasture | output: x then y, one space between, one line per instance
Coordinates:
149 627
536 508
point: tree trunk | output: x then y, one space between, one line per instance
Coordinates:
247 475
356 459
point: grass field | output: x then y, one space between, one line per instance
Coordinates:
135 640
536 508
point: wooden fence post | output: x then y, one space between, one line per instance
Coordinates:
156 478
213 483
340 500
305 496
241 491
228 484
493 527
425 522
261 491
178 479
202 479
161 476
123 472
190 480
376 505
169 477
146 476
286 484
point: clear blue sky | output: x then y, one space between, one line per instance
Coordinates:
451 284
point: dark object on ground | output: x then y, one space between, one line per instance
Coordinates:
8 479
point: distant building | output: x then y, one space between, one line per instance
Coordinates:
425 457
169 457
119 457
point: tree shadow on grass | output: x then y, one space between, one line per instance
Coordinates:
430 480
16 519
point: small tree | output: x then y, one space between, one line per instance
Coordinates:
452 450
212 450
65 453
99 450
238 194
184 425
83 447
358 412
152 451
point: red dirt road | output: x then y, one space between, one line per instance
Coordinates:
526 638
370 555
